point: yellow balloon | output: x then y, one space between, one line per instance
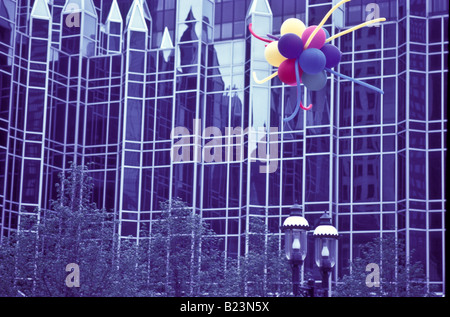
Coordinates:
273 55
293 25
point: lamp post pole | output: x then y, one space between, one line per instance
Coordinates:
325 235
295 278
295 227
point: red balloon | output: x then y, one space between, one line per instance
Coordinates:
286 72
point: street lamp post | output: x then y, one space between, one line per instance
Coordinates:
296 230
325 236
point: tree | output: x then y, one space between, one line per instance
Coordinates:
263 271
185 257
73 231
398 275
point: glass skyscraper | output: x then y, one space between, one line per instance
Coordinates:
158 98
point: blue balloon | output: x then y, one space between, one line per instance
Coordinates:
312 61
327 34
315 82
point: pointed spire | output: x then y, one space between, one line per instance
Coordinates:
135 17
190 15
114 14
40 10
166 44
147 13
259 7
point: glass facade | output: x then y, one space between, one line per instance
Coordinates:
158 98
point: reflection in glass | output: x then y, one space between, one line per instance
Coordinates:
366 178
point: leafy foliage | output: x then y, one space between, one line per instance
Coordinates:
185 257
399 276
177 254
73 231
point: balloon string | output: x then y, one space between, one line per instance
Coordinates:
276 38
299 89
299 94
292 116
258 37
355 81
265 79
325 18
355 28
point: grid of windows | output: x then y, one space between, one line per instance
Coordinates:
111 93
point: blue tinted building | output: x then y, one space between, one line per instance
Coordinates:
158 97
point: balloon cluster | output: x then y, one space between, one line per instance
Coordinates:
303 55
290 52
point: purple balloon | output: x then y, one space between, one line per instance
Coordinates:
312 61
332 54
290 45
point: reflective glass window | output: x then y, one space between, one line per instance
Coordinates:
137 40
185 108
70 25
40 28
134 119
317 178
35 112
161 186
39 50
435 175
366 222
30 191
435 258
129 229
33 149
164 115
389 177
344 179
136 61
345 104
434 96
146 195
114 43
234 185
130 189
214 185
114 27
366 178
367 104
318 145
90 26
417 168
183 178
434 30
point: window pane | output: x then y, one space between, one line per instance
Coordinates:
40 28
130 189
35 112
366 178
137 40
134 119
30 191
317 178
